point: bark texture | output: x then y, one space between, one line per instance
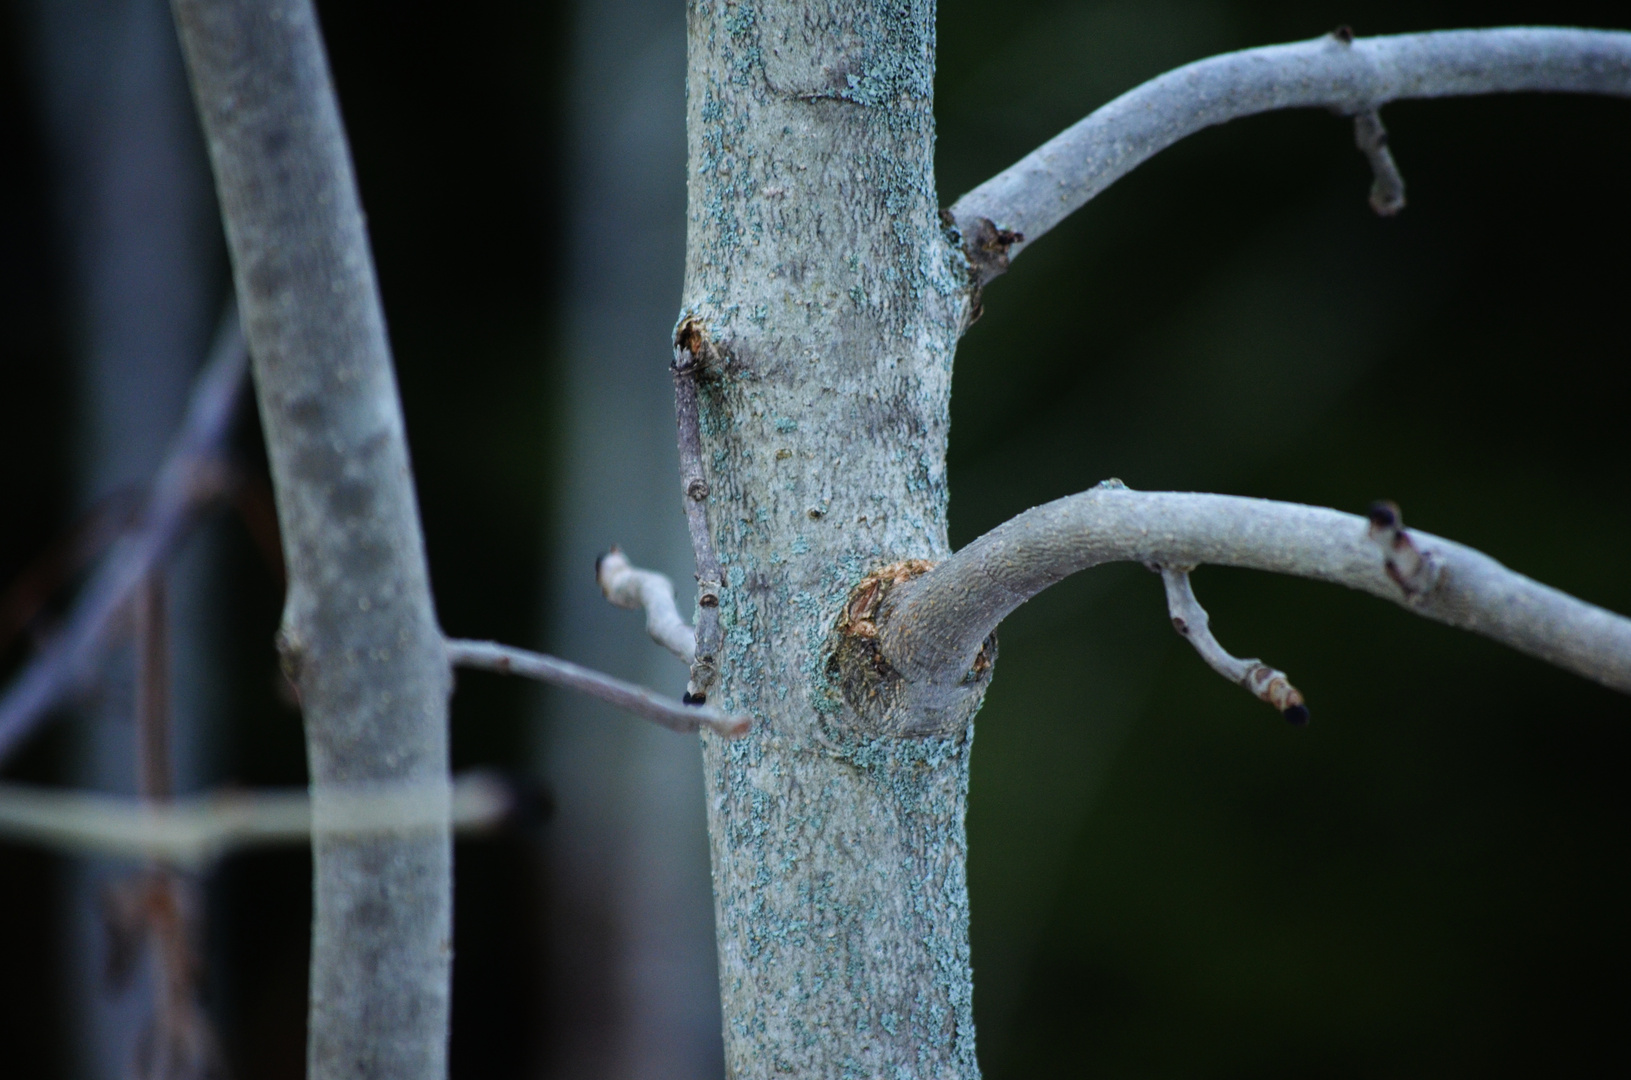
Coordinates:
359 631
823 300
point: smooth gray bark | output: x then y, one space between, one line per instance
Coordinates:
1336 71
932 628
359 633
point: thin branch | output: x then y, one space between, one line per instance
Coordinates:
628 586
191 476
194 832
1387 189
1337 71
933 626
647 704
1194 625
691 352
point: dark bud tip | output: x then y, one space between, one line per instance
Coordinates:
1344 34
1384 515
702 699
1297 715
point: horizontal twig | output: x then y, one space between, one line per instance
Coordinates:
932 627
1337 71
191 474
628 586
1194 625
194 832
647 704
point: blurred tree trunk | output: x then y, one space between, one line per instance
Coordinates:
144 264
633 990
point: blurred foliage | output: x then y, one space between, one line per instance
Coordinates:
1167 880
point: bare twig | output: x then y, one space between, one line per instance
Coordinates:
647 704
628 586
934 625
1192 622
1387 189
1336 71
195 831
191 475
691 351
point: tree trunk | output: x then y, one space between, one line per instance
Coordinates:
823 299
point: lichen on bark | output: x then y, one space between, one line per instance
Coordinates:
817 263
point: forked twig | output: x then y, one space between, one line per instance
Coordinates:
1353 76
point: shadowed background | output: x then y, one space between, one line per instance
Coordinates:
1166 879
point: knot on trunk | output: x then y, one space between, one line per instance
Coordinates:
882 700
985 245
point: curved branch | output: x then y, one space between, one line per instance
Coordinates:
1337 71
628 586
647 704
932 627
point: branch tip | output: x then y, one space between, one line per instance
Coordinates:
1191 621
627 586
1387 189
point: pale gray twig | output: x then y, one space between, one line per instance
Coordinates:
190 476
691 352
193 832
932 626
628 586
1387 187
1192 622
1336 71
647 704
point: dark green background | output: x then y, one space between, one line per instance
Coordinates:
1167 880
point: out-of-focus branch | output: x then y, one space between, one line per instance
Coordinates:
931 627
1387 187
1338 71
192 474
193 832
628 586
359 632
1194 625
647 704
692 350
